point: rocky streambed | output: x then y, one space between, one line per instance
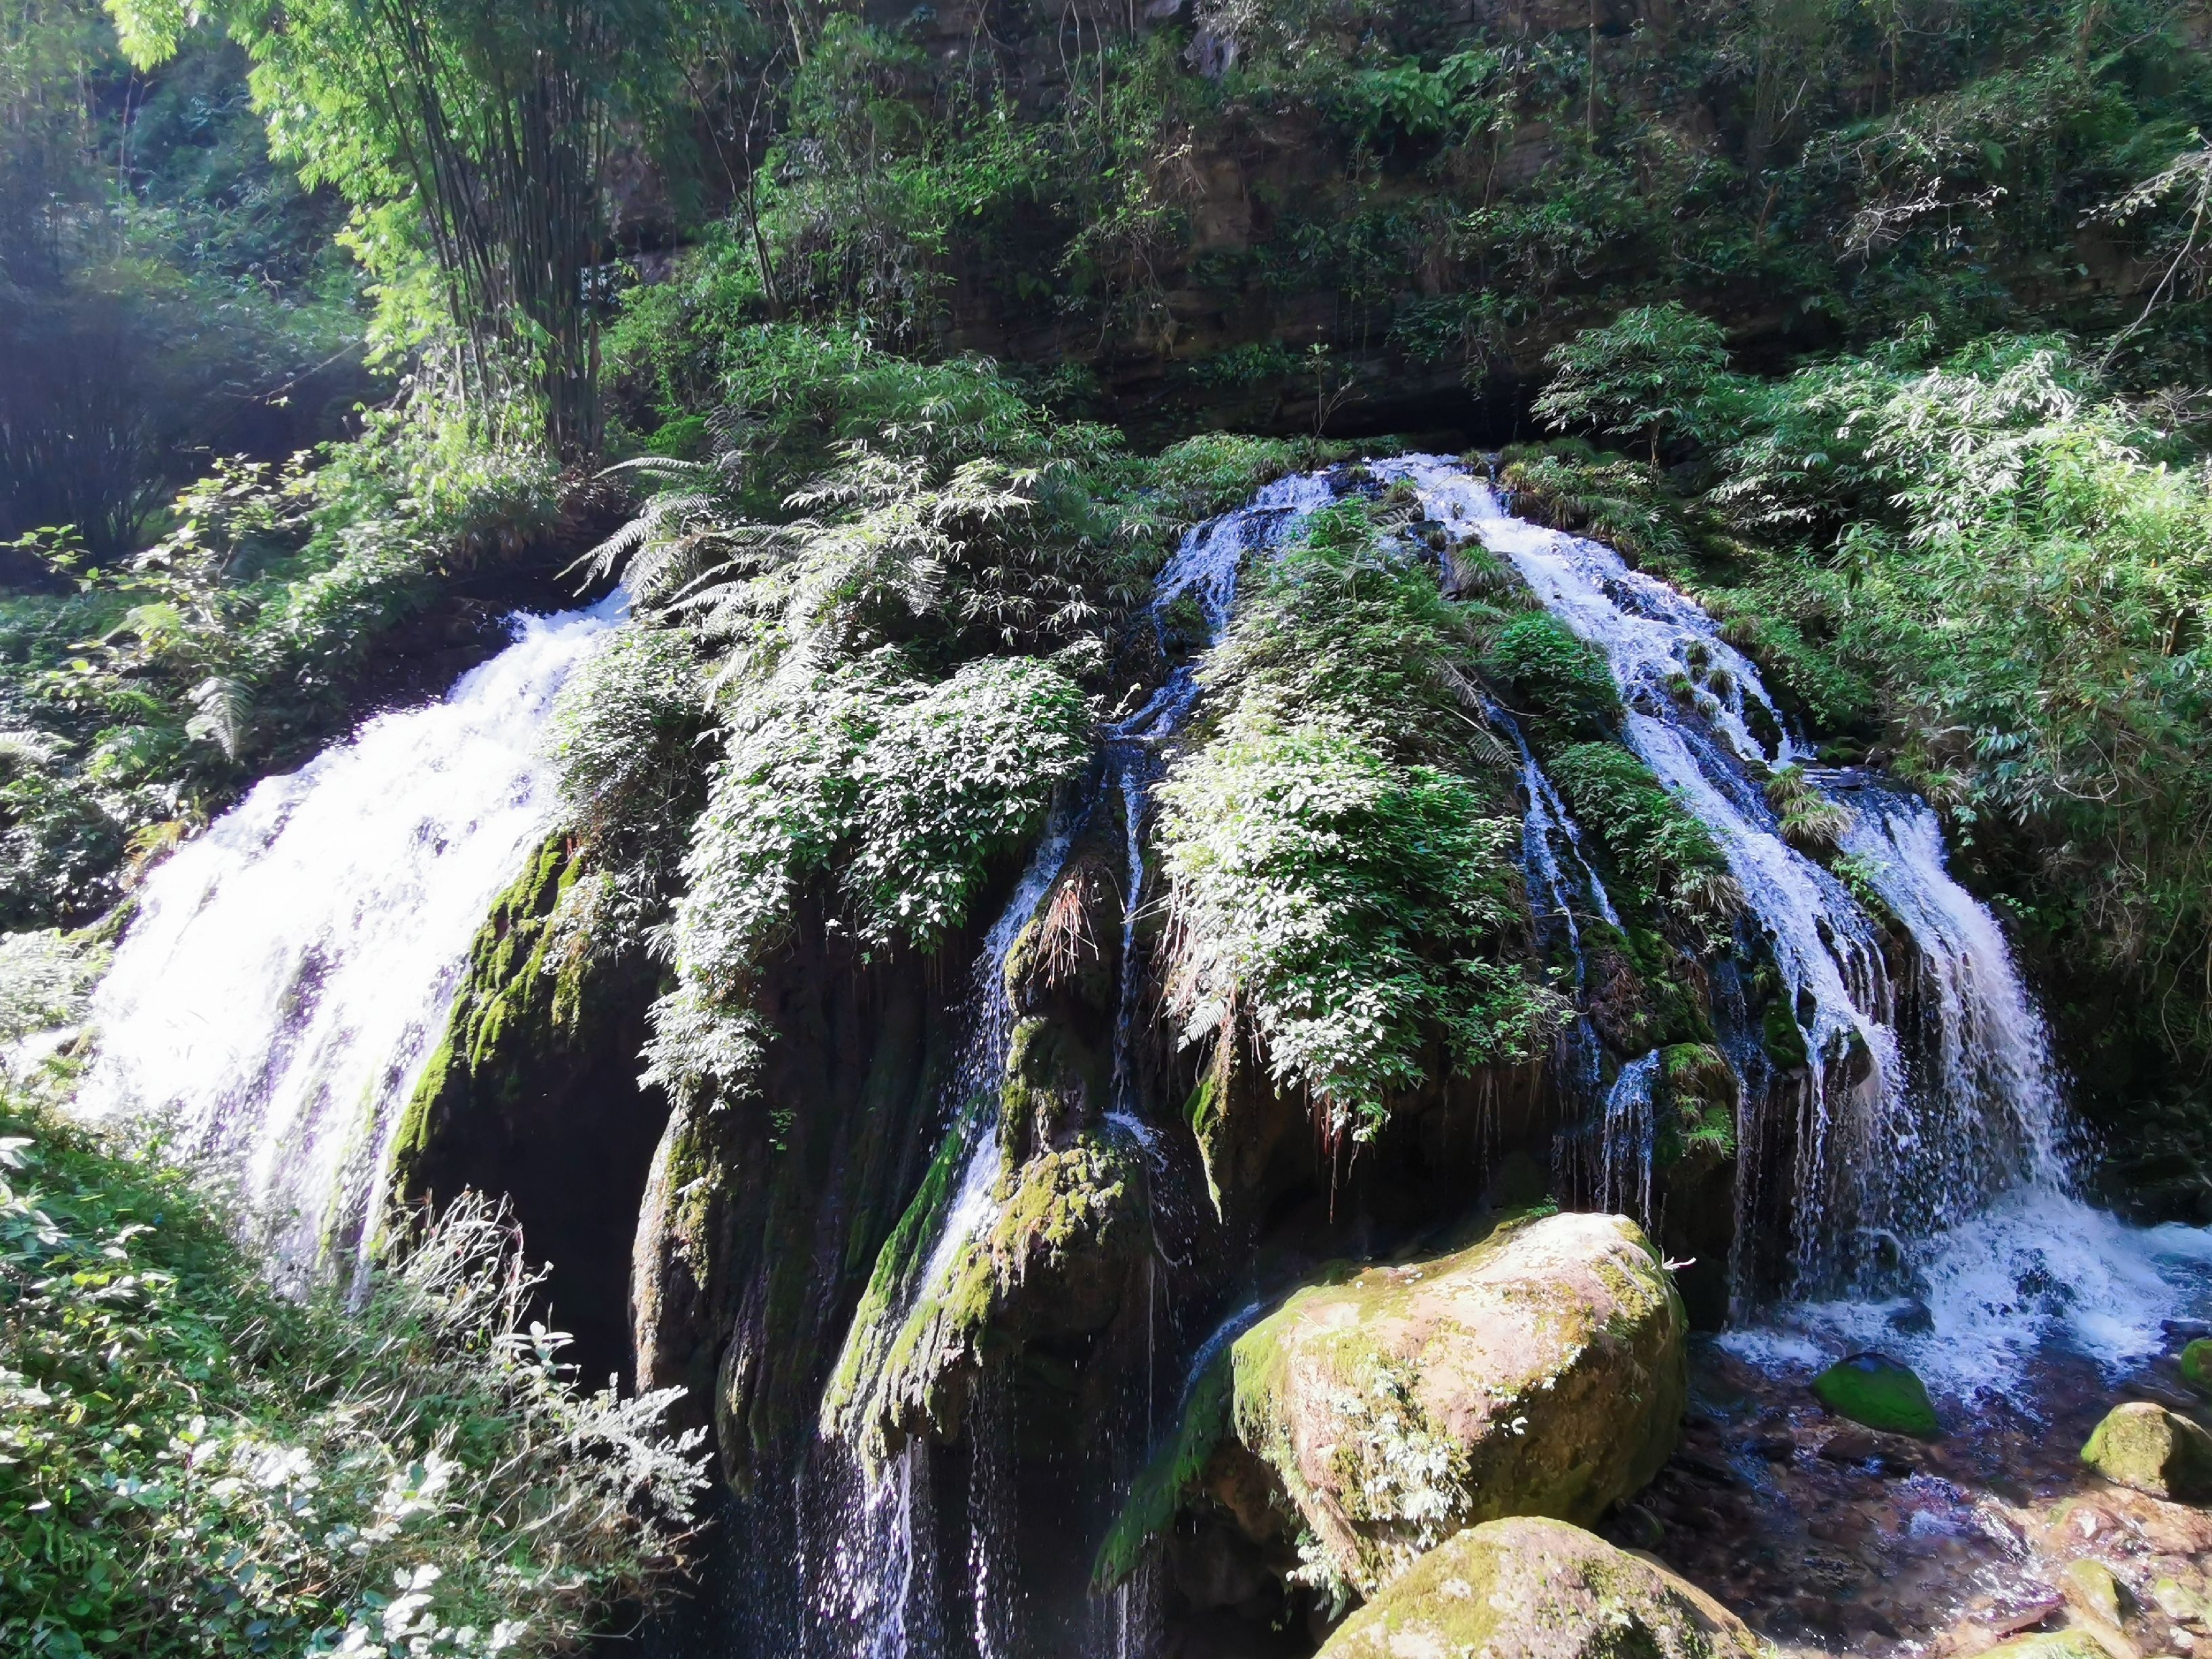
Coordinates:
1828 1536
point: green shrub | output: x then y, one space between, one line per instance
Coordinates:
1553 677
1658 848
1352 908
192 1465
1341 875
895 795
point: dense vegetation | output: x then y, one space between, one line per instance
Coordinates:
190 1463
1989 565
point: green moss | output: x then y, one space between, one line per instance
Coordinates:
848 1401
1540 1588
1209 1125
1779 1033
1334 1390
1066 1221
1168 1482
1881 1393
2148 1447
2197 1365
1053 1081
520 1005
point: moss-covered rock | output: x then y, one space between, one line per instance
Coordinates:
2050 1644
1875 1390
2094 1589
1055 1261
533 1094
1541 1371
1537 1588
2197 1365
2145 1446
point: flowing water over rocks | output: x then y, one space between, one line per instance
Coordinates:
1937 1215
1910 1186
288 971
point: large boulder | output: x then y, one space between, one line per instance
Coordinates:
2153 1450
1529 1588
1542 1371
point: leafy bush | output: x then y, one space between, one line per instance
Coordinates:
1658 848
1650 372
898 794
1340 878
192 1465
1342 903
1554 676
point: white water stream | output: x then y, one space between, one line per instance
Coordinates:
289 970
1937 1210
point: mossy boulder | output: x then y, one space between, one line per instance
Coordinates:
2145 1446
1873 1389
1541 1371
1529 1588
2197 1366
2050 1644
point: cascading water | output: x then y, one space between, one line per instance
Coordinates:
1931 1141
1548 828
1626 1134
288 971
872 1587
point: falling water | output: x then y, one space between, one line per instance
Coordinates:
1932 1148
884 1541
1547 826
289 970
1629 1134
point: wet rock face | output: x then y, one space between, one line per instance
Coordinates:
533 1095
1529 1588
1542 1371
2153 1450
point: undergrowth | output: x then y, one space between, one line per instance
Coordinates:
192 1465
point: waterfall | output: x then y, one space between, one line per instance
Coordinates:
287 971
1935 1207
872 1582
1628 1137
1547 826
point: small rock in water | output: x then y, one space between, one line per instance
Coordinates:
2197 1364
1774 1448
2091 1586
2153 1450
1874 1390
2050 1645
1912 1316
